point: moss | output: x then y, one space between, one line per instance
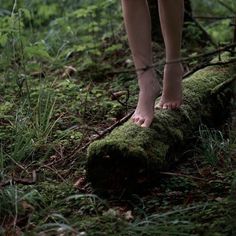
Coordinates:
5 108
136 149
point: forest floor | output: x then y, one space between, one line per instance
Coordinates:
51 107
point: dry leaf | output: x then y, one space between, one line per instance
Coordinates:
27 207
38 74
116 95
80 183
69 71
128 215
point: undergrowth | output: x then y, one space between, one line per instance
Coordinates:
59 89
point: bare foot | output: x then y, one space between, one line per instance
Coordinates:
172 86
149 91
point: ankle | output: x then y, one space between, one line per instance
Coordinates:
146 72
173 70
174 65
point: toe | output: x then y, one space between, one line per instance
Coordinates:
174 105
170 106
133 118
136 120
141 121
146 123
165 106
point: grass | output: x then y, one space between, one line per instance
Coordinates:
48 115
215 147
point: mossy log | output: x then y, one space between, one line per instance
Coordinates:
131 155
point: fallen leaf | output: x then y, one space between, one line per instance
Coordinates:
116 95
69 71
128 215
27 207
80 183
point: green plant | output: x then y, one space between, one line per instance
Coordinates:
214 147
11 200
42 118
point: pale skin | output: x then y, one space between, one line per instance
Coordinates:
138 26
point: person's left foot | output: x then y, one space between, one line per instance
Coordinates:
149 91
172 86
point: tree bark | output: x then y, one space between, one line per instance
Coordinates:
130 155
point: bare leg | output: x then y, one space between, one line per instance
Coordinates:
171 16
138 27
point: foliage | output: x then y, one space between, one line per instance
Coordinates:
59 89
215 147
220 30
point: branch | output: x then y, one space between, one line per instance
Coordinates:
203 65
213 17
201 28
226 6
103 133
15 180
184 175
185 59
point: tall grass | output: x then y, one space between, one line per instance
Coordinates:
214 146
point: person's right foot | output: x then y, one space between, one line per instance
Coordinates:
172 86
149 91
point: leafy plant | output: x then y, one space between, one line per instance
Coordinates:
12 200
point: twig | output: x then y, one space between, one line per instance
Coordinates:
81 148
234 40
183 175
103 133
53 170
226 6
203 65
201 28
15 162
125 103
15 180
211 53
185 59
214 17
223 85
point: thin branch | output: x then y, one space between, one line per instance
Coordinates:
106 131
184 59
213 17
223 85
202 29
234 40
15 180
204 65
226 6
53 170
184 175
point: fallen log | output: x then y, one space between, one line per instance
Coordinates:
130 155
